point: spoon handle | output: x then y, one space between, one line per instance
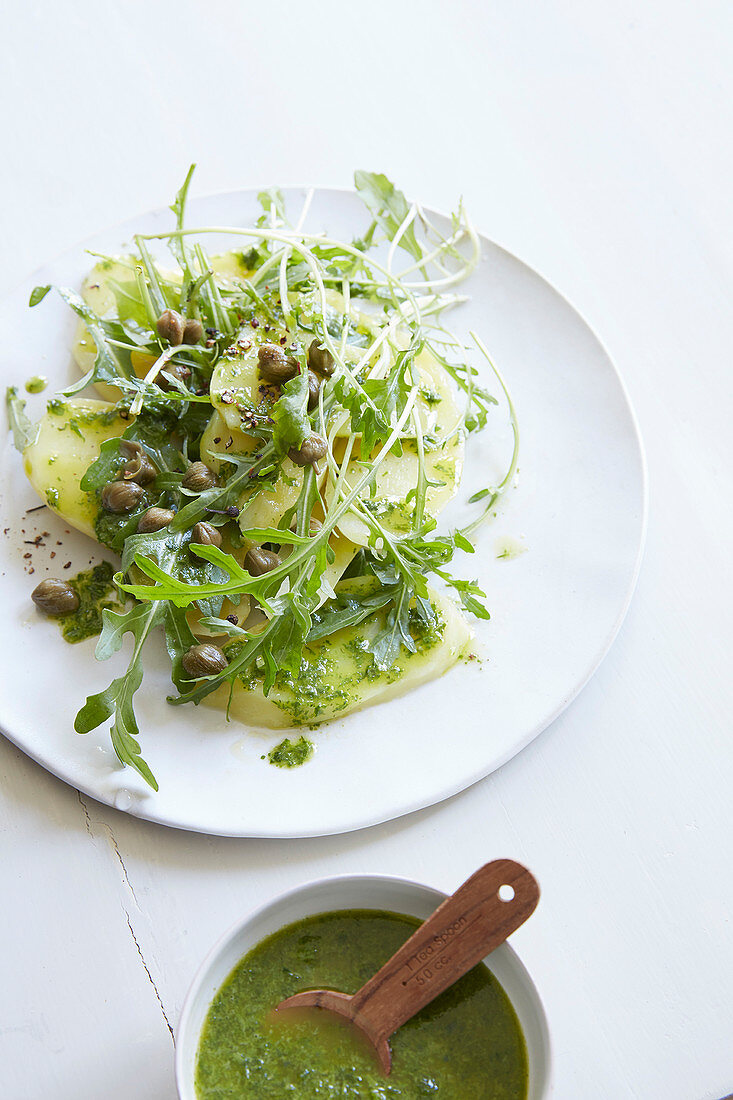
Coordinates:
461 931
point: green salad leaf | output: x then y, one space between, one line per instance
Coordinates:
23 429
116 701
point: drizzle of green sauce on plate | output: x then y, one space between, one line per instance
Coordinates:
36 384
466 1045
291 754
96 591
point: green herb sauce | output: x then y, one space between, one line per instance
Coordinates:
509 548
333 669
96 591
291 754
37 384
466 1045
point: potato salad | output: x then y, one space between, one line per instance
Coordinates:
266 437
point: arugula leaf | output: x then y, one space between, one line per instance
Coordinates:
178 205
271 200
385 648
480 400
107 367
117 699
290 413
178 639
468 591
104 468
38 294
463 544
386 397
170 551
133 315
348 609
23 429
388 207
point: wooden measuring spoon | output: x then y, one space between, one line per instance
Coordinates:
461 932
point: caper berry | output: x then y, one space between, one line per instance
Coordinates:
177 371
203 660
155 519
170 326
274 365
314 388
258 561
55 597
309 452
206 534
121 496
320 358
139 468
198 477
193 331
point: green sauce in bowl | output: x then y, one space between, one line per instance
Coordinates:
466 1045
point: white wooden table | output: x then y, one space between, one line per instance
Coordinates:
594 141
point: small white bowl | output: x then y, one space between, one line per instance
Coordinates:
351 892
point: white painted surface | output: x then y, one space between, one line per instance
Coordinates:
593 140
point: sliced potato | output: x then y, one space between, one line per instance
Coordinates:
337 676
97 293
236 378
436 400
263 508
395 480
236 382
68 441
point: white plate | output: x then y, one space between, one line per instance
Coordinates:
579 509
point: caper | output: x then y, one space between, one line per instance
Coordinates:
170 326
193 331
155 519
310 450
206 534
258 561
177 371
203 660
55 597
314 388
320 358
198 477
274 365
139 468
122 496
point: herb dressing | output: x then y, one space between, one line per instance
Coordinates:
466 1045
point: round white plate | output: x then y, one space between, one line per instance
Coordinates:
578 510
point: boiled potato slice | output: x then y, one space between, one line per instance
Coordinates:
264 508
436 400
236 381
97 293
338 677
396 478
236 378
68 441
